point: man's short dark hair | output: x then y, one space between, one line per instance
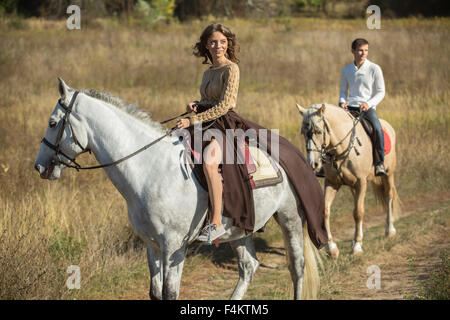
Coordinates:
358 42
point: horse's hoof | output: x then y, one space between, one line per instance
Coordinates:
334 254
357 249
391 233
333 250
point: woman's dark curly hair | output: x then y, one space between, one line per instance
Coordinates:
201 49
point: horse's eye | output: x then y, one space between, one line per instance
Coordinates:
52 123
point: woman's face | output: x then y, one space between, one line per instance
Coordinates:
217 45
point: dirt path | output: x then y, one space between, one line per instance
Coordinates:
401 266
422 233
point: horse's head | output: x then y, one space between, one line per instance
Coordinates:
314 130
65 138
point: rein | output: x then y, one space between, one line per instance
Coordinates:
65 121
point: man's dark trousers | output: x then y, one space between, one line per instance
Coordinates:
372 116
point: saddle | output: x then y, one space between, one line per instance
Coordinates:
368 128
262 169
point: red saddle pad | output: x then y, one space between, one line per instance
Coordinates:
387 143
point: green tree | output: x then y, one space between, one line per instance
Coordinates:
414 7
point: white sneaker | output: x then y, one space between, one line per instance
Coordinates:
210 233
380 170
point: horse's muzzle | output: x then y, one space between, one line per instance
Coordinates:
39 168
45 173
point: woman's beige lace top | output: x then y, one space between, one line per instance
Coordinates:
219 88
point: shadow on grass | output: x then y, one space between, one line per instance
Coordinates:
224 255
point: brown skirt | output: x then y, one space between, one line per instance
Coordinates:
237 191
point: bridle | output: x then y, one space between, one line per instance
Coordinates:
57 146
73 164
329 154
323 149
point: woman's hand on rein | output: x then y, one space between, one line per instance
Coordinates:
192 107
183 123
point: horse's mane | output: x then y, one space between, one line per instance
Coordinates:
131 109
317 106
313 110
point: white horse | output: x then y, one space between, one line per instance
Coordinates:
166 205
335 141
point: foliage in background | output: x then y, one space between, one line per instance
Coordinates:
155 10
428 8
194 9
258 8
55 8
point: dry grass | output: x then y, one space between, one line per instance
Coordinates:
81 219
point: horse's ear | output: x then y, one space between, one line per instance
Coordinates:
301 109
322 109
63 88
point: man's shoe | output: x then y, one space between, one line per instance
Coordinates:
320 173
210 233
380 170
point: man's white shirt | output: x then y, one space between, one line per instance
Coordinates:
365 84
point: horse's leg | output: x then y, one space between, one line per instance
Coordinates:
291 225
248 263
154 265
330 193
390 230
173 261
358 215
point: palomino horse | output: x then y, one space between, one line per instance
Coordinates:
166 205
338 142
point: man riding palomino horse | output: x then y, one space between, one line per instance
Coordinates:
338 145
362 87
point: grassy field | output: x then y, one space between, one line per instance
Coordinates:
81 219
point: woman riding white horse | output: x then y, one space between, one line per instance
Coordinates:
166 205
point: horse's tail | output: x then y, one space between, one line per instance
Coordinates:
383 193
311 279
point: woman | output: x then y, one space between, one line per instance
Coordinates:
219 87
219 91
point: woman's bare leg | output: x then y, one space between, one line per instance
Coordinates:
213 157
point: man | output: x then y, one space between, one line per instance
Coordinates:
362 86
